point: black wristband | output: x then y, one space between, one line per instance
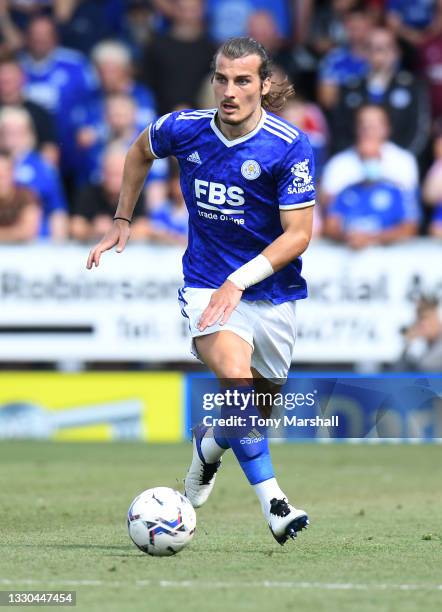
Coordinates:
123 219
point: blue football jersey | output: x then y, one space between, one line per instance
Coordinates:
59 83
234 191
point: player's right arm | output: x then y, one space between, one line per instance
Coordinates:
138 162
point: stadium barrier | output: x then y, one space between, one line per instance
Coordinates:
53 309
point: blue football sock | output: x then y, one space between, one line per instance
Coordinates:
248 440
219 437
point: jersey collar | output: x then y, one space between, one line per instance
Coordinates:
235 141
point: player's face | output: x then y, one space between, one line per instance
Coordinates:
238 88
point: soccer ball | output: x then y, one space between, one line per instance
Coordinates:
161 521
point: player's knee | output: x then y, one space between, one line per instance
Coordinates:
231 368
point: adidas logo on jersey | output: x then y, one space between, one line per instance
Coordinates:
194 157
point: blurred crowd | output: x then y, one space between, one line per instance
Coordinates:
79 80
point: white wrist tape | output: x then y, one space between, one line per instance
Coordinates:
252 272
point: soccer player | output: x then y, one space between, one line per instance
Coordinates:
247 179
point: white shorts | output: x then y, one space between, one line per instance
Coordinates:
269 328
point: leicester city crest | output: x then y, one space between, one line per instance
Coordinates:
250 169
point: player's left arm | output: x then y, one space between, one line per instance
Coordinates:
295 238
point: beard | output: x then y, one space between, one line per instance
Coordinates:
230 121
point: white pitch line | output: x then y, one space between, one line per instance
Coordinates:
329 586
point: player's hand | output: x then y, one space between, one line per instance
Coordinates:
222 303
117 235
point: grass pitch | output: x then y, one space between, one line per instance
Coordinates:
374 544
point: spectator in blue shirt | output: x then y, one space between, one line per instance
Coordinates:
58 79
374 211
115 71
17 136
401 93
229 18
348 61
120 125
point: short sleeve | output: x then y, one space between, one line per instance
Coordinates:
161 136
295 176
